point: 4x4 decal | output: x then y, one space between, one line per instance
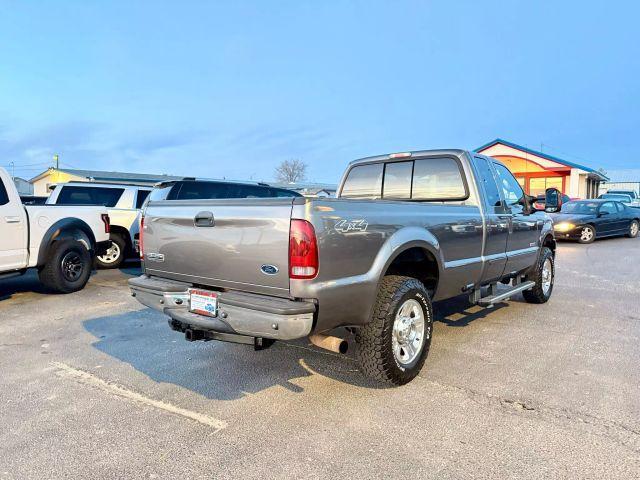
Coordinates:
345 226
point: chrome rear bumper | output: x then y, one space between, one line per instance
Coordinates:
238 312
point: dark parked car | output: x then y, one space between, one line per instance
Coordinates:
192 189
586 220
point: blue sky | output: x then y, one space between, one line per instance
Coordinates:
229 89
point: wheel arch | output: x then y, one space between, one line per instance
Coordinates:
122 231
408 247
66 228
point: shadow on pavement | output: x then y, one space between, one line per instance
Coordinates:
216 370
458 312
28 282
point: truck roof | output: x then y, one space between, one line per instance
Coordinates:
408 154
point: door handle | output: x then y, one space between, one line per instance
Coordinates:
204 219
12 219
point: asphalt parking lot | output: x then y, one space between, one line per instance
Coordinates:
95 386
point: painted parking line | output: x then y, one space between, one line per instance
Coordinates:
65 371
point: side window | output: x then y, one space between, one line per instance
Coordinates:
108 197
608 207
438 179
201 191
620 207
511 189
363 181
248 191
282 193
142 196
4 196
488 182
397 180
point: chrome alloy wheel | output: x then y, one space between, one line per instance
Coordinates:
586 234
547 275
112 254
634 228
72 266
408 332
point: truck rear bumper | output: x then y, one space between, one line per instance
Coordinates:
240 313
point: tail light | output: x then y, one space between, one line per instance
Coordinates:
303 250
107 222
141 238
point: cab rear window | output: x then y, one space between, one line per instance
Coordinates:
429 179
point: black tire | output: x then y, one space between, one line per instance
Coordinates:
375 340
591 238
631 231
540 294
119 247
68 267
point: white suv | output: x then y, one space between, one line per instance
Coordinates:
123 203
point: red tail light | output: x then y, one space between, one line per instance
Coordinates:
303 250
140 238
107 222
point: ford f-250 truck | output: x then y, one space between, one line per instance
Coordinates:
61 242
406 229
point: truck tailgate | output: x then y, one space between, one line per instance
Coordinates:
234 243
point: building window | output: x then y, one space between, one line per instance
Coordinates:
538 185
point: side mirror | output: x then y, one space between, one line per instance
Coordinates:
552 200
602 214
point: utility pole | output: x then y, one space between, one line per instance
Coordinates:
13 170
56 159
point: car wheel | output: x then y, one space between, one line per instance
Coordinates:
634 228
394 345
587 234
543 275
116 253
68 267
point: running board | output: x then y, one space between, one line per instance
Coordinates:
498 297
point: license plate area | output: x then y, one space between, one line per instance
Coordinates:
203 302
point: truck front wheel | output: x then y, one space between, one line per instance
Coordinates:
68 267
394 345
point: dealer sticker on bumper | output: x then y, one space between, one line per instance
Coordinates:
203 302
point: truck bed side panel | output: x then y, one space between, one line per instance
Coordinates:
359 238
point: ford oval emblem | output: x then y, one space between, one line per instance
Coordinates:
269 269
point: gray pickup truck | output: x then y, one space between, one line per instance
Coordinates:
405 230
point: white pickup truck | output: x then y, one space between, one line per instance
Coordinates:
61 242
123 203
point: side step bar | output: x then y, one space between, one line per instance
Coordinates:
499 297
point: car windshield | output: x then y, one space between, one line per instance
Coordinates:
586 208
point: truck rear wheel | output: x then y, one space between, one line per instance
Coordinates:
544 275
114 257
394 345
68 267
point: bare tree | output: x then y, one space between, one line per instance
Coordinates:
291 171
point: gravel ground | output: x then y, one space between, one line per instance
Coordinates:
93 385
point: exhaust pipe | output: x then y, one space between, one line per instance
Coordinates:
333 344
193 335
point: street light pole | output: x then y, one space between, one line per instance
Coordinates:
56 159
13 170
